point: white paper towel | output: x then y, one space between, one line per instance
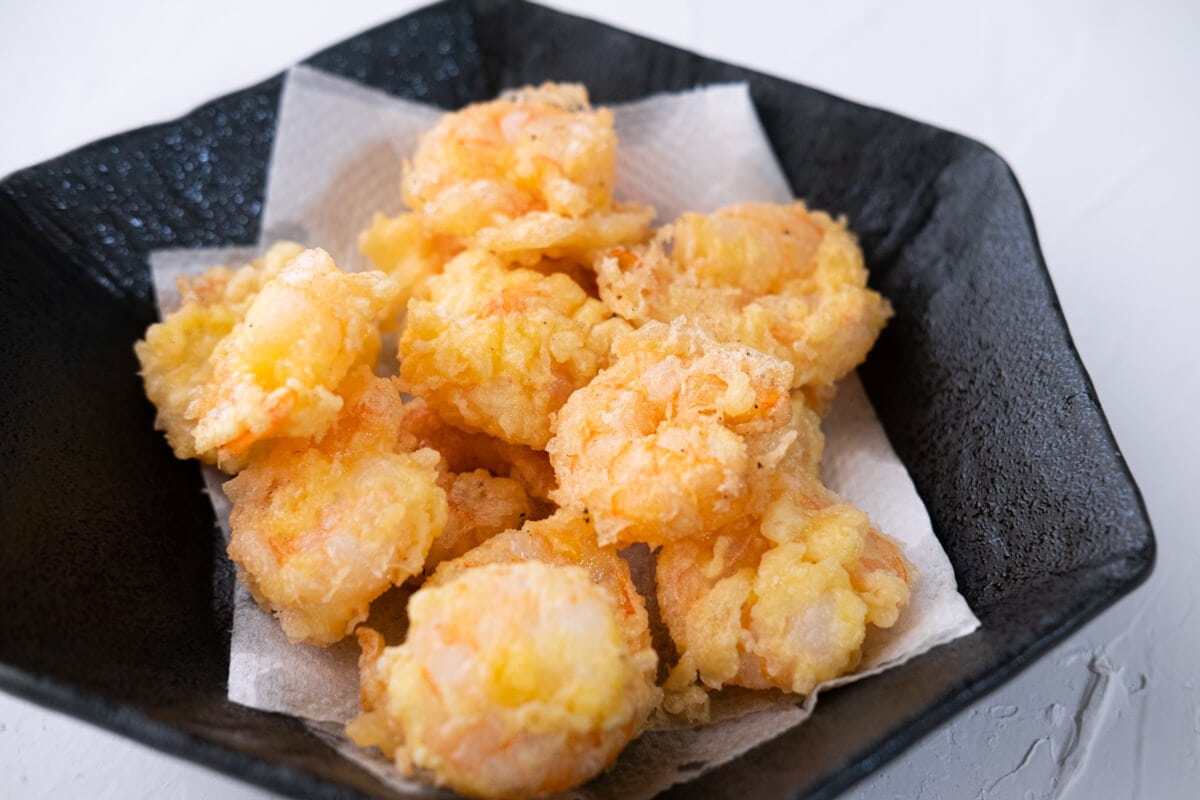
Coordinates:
338 153
339 148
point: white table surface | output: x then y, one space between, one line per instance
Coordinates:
1096 105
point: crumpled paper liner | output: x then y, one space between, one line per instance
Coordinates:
337 159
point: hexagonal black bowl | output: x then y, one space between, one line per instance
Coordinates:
114 595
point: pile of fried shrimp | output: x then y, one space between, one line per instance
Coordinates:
572 381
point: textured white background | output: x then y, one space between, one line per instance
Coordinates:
1097 107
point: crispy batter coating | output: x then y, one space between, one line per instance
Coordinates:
669 441
803 456
321 528
539 148
491 485
407 250
782 601
514 681
780 278
537 235
466 452
528 175
564 539
175 353
481 506
275 374
499 350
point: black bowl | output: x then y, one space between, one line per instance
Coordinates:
114 592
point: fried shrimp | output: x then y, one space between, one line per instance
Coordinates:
465 452
779 278
481 506
542 234
407 250
175 354
491 485
527 175
514 681
669 441
782 601
564 539
321 528
274 375
499 350
803 455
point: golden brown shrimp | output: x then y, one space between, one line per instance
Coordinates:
779 278
491 485
514 681
321 528
175 353
803 456
527 175
499 350
542 235
407 250
782 601
467 452
881 578
564 539
274 375
481 505
670 440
